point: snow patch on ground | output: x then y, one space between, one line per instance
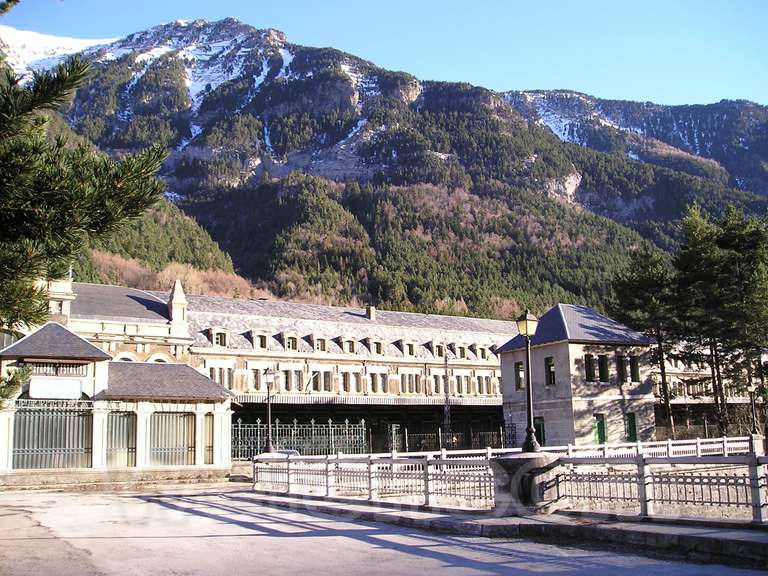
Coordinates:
287 57
27 50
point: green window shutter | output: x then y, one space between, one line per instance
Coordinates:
519 376
602 362
634 367
549 371
630 427
621 367
599 429
538 426
589 367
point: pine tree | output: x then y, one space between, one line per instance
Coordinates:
644 294
54 199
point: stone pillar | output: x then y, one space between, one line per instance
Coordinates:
222 435
519 479
6 438
99 447
200 411
143 414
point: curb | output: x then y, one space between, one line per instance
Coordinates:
711 546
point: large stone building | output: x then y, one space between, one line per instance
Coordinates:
329 362
591 380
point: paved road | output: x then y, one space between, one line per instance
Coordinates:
213 532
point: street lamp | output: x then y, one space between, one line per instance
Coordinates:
269 378
526 325
752 389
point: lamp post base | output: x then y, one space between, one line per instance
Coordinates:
531 444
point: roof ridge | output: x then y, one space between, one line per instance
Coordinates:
565 322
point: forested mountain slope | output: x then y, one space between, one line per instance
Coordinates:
423 195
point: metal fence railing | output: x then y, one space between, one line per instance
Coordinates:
466 484
310 439
172 439
715 487
46 437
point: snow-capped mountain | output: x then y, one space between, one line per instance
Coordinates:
724 140
234 102
26 51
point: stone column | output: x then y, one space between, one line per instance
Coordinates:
200 412
222 439
6 437
143 414
99 447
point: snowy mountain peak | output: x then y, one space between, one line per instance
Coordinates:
26 50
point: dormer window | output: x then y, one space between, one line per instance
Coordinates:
220 338
291 343
484 353
378 348
462 352
321 345
262 342
349 346
439 351
410 349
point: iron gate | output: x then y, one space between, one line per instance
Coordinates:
171 439
310 439
121 439
49 436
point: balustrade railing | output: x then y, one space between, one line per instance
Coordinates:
452 483
713 487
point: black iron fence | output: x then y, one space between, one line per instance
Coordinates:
309 439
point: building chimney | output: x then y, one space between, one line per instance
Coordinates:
370 312
177 305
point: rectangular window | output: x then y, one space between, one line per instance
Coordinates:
287 384
320 345
411 350
358 383
630 427
439 351
602 366
291 343
538 426
346 382
621 367
374 383
589 367
483 353
599 429
317 383
257 379
480 387
519 376
437 384
549 371
462 352
349 346
634 368
403 383
263 342
298 378
378 348
327 381
220 339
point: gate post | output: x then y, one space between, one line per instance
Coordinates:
427 485
99 414
143 414
6 437
644 486
756 478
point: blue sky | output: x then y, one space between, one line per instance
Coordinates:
672 52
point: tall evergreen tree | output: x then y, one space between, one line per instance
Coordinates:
644 295
53 198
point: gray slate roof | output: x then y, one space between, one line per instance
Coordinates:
104 301
53 341
157 381
574 323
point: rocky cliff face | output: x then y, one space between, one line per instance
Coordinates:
727 141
